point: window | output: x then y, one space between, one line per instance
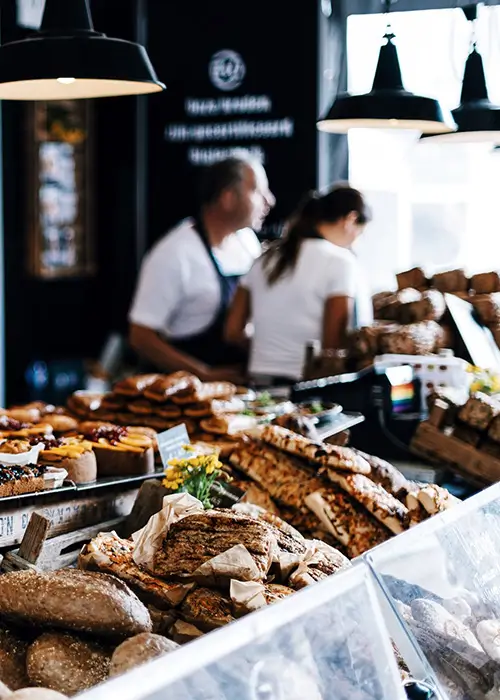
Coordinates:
436 206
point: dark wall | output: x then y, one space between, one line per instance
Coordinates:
70 319
279 47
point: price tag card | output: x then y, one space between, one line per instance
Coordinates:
171 443
224 495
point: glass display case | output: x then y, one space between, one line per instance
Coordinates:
442 579
327 641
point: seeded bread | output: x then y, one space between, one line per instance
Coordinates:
13 650
73 600
66 663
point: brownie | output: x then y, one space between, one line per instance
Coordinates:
479 411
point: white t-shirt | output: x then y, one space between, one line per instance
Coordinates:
178 293
289 314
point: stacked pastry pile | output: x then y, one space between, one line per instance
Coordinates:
345 497
458 637
210 411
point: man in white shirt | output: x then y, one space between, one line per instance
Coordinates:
188 279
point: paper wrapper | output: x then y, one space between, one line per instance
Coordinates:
247 596
183 632
235 563
23 459
149 540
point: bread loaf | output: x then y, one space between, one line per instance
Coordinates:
66 663
412 278
486 283
487 307
453 281
139 650
73 600
416 339
13 650
37 694
479 411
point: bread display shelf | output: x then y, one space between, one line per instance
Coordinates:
69 508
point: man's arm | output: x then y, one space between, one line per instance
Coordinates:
148 344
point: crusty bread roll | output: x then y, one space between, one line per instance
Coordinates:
486 283
139 650
74 600
13 660
66 663
412 278
37 694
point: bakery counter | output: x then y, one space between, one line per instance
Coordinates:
330 636
442 580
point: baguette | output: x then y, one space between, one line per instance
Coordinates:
73 600
321 454
377 501
66 663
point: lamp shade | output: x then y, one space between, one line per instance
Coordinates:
67 59
477 118
388 105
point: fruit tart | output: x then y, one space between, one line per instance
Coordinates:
11 428
18 479
73 454
122 451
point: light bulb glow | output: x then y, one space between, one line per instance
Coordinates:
66 81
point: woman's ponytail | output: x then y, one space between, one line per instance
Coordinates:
338 202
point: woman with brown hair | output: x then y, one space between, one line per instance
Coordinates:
306 287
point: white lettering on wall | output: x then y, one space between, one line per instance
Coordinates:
207 156
209 107
229 131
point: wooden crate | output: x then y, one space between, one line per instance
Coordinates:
476 467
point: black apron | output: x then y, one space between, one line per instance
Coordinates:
209 346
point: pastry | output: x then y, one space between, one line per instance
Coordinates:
228 424
121 451
73 454
207 609
61 424
141 407
83 403
321 454
166 387
205 392
139 650
10 428
65 663
377 501
416 339
487 307
17 480
387 476
169 412
134 386
24 414
54 599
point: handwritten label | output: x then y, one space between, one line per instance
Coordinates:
223 495
171 443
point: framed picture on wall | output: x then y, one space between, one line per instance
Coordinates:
60 207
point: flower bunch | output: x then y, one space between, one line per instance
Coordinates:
194 474
487 381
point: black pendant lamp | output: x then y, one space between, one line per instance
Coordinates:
67 60
477 118
388 105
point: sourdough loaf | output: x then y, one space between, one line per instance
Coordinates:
73 600
139 650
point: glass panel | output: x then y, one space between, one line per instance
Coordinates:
328 641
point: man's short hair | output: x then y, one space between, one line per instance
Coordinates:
222 175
